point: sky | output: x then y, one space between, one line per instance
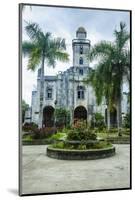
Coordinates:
63 22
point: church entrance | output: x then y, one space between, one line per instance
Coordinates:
113 117
80 113
48 116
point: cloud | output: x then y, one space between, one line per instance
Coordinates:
63 22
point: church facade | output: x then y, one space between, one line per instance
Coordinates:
68 90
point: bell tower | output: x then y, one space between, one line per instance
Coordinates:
81 47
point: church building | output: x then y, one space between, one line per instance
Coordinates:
68 90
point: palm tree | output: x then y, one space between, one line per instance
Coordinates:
41 49
100 81
114 63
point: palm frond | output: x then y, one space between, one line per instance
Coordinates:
101 50
34 59
34 32
121 36
27 47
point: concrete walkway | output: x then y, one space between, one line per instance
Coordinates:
41 174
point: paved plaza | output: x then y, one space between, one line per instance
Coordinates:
41 174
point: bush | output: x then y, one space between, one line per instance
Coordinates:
43 133
29 127
59 145
98 121
62 117
99 145
80 131
59 136
102 145
27 138
82 147
126 121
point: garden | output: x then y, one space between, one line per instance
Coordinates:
80 135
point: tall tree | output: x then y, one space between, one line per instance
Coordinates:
114 67
41 49
25 107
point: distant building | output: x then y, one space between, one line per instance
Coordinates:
68 90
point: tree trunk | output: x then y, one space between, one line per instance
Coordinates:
108 118
40 125
119 115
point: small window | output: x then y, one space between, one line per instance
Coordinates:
81 49
81 71
80 92
81 61
49 93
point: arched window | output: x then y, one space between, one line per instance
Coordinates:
81 49
80 92
81 61
49 93
80 71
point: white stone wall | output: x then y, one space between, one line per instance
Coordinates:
35 107
46 101
77 55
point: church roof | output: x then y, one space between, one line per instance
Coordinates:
81 30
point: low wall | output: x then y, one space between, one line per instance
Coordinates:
65 154
119 140
37 142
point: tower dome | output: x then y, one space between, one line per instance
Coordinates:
81 30
81 33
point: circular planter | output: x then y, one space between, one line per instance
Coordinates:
90 154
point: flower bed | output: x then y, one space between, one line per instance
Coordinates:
75 154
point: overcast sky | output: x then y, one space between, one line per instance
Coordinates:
63 22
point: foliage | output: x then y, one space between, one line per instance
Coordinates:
42 47
113 67
126 121
27 138
102 144
99 145
98 121
82 147
42 133
59 136
25 107
59 145
28 127
62 117
80 131
113 132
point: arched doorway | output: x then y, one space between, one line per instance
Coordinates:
113 117
80 113
48 116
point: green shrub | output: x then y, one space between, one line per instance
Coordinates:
29 127
98 121
42 133
27 138
101 145
80 131
59 136
62 117
126 121
82 147
59 145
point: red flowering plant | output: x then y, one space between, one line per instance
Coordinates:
81 131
